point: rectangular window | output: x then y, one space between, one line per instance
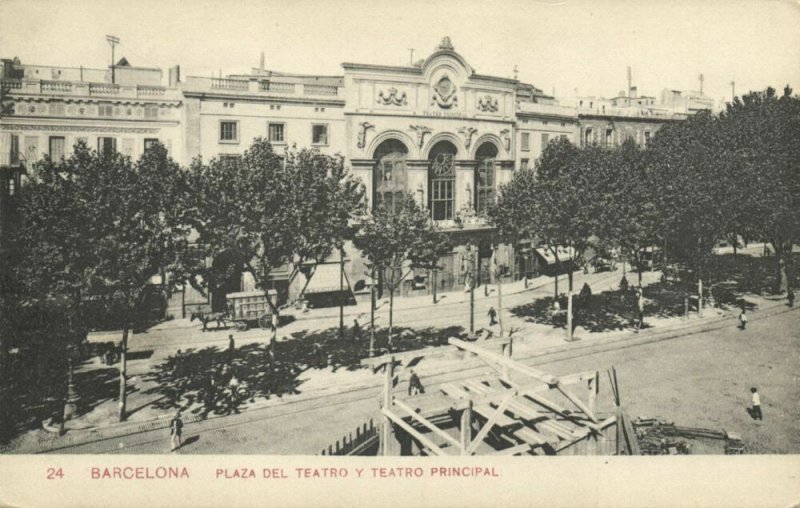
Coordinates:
526 141
14 149
107 145
151 111
148 142
525 164
277 133
229 132
609 137
484 186
319 134
545 140
588 137
646 138
57 144
105 110
442 199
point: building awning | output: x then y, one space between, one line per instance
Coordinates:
326 279
564 254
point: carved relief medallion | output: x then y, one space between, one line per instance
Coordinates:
444 93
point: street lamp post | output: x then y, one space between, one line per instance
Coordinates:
468 267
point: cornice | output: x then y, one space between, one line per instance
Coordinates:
274 99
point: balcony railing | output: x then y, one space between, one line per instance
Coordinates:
269 86
229 84
103 89
56 86
320 90
150 91
10 84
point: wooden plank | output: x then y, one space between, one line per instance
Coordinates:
466 427
427 423
500 360
411 430
633 441
490 423
571 379
377 361
575 400
514 450
531 436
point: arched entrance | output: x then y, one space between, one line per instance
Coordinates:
484 177
442 178
390 172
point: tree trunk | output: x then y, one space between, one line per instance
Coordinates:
391 317
433 283
123 371
273 338
569 278
555 292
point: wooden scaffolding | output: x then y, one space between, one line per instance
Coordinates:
511 409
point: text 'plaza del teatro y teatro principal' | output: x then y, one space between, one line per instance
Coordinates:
437 129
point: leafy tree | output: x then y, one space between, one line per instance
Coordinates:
263 213
763 142
625 210
692 181
99 224
563 198
398 240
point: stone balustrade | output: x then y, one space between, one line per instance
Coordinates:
84 89
260 86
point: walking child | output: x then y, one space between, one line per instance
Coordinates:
176 427
756 411
743 319
492 315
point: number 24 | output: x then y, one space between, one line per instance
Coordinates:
53 473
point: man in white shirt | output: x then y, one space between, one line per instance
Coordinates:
756 411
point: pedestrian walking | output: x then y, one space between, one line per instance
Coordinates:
756 410
231 348
492 315
176 429
743 319
790 297
414 384
356 330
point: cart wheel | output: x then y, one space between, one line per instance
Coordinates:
265 322
241 326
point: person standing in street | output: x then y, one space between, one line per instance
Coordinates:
790 297
640 305
356 330
492 315
231 348
743 319
176 429
756 410
414 384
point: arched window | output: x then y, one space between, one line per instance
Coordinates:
484 177
390 172
442 179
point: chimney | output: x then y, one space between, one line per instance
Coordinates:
174 75
633 92
262 62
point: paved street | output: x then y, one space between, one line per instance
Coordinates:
696 379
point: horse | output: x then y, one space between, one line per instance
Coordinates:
207 317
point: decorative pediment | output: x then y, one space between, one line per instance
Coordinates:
392 97
444 93
487 103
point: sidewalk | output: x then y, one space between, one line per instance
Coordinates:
532 339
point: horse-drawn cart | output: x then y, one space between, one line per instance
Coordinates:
249 308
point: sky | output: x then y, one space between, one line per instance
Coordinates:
570 47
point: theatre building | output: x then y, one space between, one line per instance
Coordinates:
438 130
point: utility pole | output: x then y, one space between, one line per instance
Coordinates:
411 56
372 313
629 81
468 267
113 40
701 84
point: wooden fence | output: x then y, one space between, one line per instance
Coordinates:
365 442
